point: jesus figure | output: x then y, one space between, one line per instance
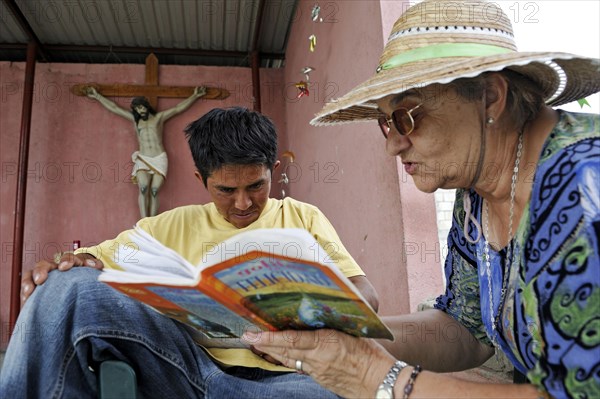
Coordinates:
150 161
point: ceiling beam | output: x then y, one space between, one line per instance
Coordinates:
27 29
142 50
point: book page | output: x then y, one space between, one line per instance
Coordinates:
146 256
293 243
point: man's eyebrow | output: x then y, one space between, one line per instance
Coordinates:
224 186
258 181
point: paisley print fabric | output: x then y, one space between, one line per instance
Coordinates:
550 319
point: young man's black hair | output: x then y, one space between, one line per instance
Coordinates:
231 136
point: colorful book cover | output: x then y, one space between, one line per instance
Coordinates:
297 294
256 290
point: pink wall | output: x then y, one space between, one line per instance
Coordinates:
344 169
421 245
78 184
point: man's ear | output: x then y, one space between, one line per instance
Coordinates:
276 164
199 177
496 92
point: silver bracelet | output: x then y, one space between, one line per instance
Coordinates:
386 389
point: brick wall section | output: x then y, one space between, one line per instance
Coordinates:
444 202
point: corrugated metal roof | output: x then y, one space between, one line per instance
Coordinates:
184 32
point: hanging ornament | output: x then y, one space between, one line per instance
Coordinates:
312 43
284 180
303 88
306 71
315 13
290 155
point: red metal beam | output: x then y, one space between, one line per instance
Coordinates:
255 63
259 17
255 57
19 226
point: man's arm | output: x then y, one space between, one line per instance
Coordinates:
185 104
367 290
108 104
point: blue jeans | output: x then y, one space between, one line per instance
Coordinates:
72 322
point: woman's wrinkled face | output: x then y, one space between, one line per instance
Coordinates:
443 149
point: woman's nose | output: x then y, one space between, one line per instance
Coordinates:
396 143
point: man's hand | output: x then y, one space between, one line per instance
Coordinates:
91 92
200 91
39 274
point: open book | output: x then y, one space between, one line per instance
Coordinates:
259 280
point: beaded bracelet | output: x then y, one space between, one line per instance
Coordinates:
411 381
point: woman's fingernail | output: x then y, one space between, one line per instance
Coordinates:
36 278
90 262
62 266
26 289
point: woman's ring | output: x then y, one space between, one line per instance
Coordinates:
299 366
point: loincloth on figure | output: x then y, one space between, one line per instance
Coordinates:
158 164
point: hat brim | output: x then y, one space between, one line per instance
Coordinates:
563 78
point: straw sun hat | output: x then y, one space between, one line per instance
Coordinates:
438 41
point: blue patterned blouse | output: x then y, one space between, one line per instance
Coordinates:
550 319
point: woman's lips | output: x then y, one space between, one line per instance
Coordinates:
410 168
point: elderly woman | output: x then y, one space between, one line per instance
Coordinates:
522 273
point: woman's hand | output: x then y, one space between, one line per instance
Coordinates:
355 367
344 364
265 356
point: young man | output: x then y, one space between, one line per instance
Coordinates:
72 322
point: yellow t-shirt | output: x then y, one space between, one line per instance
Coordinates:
192 230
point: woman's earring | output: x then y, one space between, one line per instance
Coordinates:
490 120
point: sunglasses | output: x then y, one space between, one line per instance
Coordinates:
401 118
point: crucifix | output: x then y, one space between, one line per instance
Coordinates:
150 161
150 89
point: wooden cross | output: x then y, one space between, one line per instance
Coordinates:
151 89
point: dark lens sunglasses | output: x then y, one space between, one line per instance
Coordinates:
402 120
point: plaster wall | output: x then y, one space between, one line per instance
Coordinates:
79 162
78 178
344 169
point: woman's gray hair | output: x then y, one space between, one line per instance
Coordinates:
524 98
